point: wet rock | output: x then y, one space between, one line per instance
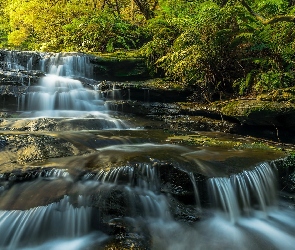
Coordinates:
23 149
18 182
129 233
111 204
143 91
184 213
286 173
119 69
178 183
14 59
144 108
259 113
198 123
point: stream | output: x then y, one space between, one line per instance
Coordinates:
125 186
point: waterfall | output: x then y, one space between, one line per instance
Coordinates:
33 226
30 64
58 91
67 90
245 193
143 176
196 191
67 65
135 186
130 197
12 62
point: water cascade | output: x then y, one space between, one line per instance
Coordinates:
123 189
43 223
12 61
245 192
58 93
68 88
133 197
196 191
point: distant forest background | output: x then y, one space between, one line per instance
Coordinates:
240 47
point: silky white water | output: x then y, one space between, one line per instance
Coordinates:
230 223
61 92
61 211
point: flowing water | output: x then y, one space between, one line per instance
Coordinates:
141 190
67 90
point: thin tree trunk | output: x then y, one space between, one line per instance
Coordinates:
144 8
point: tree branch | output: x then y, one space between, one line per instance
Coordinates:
276 19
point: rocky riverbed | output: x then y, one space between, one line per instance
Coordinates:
149 154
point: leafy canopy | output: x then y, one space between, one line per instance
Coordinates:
239 47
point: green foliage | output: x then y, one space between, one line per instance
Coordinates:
72 25
103 32
270 8
271 80
221 47
216 46
4 25
205 48
165 32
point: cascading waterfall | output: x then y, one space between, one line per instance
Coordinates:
142 175
58 91
68 65
139 188
36 225
142 190
245 216
11 61
63 220
196 191
134 193
245 192
67 90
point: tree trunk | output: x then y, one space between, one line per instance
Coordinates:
145 9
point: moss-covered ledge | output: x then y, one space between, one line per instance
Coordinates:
117 67
258 112
275 108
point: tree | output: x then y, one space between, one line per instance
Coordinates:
147 8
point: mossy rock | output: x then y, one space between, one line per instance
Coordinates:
120 68
279 95
286 172
259 113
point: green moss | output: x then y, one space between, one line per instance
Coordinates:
238 144
279 95
165 84
121 67
119 54
245 108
